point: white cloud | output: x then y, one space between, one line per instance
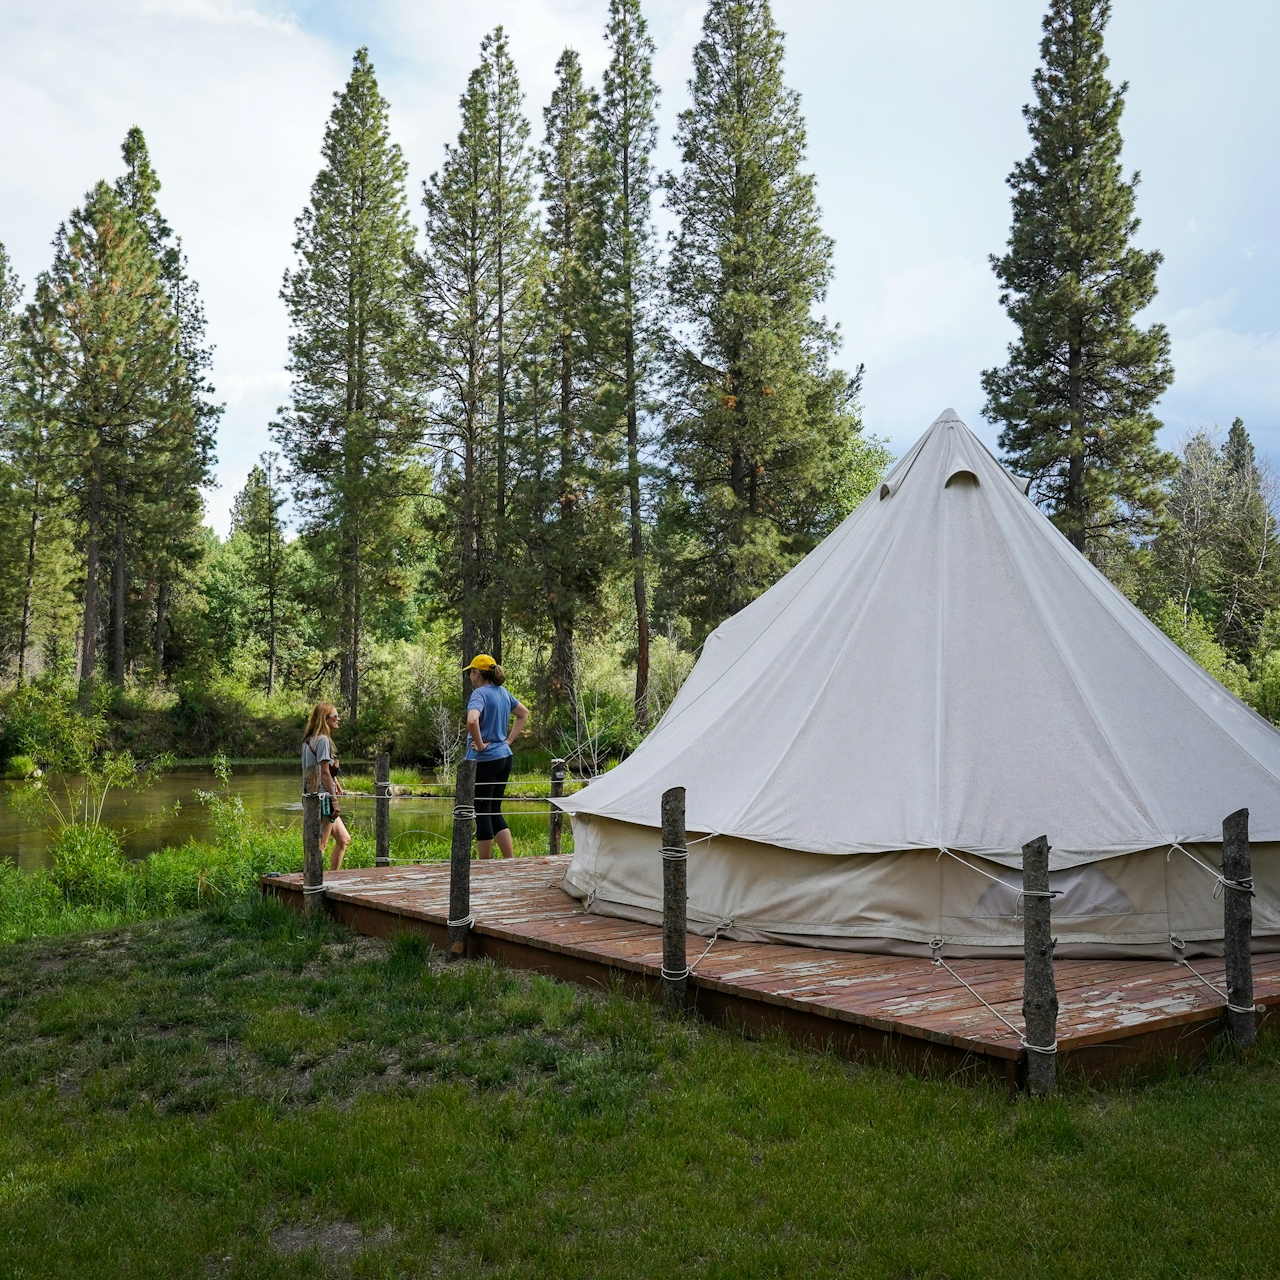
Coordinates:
225 13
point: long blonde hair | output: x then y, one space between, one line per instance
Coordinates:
318 723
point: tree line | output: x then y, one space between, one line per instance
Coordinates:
508 414
517 424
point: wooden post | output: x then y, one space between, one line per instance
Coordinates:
464 818
675 892
1039 994
1237 927
557 818
312 864
382 810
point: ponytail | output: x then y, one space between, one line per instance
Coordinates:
495 675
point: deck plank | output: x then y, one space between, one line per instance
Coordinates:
1100 1001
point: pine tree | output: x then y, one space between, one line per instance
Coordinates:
349 434
19 520
256 516
37 568
1248 553
100 341
759 425
457 312
474 284
625 133
164 517
168 524
571 547
1077 394
508 188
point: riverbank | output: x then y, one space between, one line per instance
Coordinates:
239 1093
171 813
90 883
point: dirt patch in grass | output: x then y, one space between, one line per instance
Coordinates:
333 1241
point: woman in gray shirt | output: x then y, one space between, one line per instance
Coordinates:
320 770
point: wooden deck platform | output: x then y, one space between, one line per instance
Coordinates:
1116 1016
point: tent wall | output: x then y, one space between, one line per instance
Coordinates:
899 902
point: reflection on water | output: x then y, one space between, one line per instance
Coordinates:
271 794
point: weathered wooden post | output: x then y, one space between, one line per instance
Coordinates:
312 864
382 810
464 816
1039 994
675 891
557 818
1237 927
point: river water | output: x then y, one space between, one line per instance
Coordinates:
170 813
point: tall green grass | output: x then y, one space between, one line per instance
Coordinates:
91 884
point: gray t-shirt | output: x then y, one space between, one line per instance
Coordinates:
313 753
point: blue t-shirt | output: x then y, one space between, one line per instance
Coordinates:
495 706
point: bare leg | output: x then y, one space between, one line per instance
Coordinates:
342 838
484 849
504 843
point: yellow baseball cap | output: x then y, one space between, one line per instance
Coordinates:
481 662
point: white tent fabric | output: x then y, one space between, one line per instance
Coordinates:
945 672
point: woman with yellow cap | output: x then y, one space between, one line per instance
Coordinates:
491 733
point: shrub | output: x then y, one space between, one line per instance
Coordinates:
22 767
1192 634
90 869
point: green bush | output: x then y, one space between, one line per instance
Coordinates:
22 766
1192 634
90 869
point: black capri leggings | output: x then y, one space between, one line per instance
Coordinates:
491 786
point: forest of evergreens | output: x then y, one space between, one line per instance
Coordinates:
520 423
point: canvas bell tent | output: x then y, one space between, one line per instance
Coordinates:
870 744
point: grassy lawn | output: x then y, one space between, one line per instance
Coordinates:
234 1093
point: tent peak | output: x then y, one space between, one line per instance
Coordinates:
948 415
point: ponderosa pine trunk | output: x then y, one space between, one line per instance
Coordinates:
469 559
118 597
93 552
1075 504
162 617
637 526
500 426
562 633
357 629
271 614
24 636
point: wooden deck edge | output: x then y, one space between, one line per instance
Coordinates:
1097 1056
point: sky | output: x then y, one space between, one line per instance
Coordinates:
914 122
